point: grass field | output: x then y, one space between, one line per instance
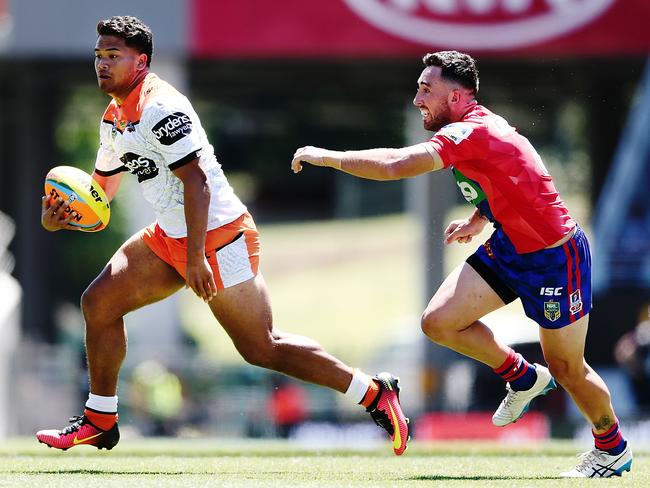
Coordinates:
227 463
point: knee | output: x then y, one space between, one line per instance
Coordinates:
90 304
263 355
567 373
435 326
95 307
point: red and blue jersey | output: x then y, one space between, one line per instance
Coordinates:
499 171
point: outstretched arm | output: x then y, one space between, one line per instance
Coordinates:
373 164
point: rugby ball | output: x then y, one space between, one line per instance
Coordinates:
88 198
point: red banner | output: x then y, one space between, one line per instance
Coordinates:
396 28
535 426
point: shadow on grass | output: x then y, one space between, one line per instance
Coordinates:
435 477
97 471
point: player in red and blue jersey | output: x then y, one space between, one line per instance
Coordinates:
537 252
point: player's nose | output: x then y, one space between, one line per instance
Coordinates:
101 64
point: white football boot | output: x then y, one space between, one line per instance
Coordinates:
516 403
601 464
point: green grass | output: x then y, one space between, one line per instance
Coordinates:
228 463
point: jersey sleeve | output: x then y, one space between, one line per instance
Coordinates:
454 143
107 162
174 132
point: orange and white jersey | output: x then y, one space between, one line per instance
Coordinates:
153 132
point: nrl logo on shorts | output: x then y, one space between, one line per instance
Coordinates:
479 24
552 310
575 302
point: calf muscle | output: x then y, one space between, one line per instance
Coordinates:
134 277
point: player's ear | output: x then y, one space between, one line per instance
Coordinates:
142 61
454 96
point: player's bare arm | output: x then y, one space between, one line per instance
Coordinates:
196 193
463 230
110 184
373 164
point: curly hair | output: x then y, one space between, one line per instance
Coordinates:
455 66
134 32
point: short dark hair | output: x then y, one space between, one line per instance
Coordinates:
134 32
455 66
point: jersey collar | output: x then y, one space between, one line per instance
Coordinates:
131 108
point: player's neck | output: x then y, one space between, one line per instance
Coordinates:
123 94
464 109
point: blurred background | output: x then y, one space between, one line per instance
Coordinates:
349 262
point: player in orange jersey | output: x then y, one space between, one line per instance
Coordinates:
203 237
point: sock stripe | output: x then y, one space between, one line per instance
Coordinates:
512 370
507 364
609 440
609 437
609 445
101 420
517 373
100 412
608 432
371 394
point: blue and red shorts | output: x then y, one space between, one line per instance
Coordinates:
554 285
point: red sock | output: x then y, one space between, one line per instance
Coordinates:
611 441
102 420
371 394
517 371
514 367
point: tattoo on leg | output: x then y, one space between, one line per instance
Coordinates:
604 423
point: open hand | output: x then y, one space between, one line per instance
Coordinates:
200 279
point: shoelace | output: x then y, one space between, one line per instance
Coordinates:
510 397
588 459
77 421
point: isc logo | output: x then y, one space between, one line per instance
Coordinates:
549 291
478 24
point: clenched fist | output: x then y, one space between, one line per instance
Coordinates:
316 156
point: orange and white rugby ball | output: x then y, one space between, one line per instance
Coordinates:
88 198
